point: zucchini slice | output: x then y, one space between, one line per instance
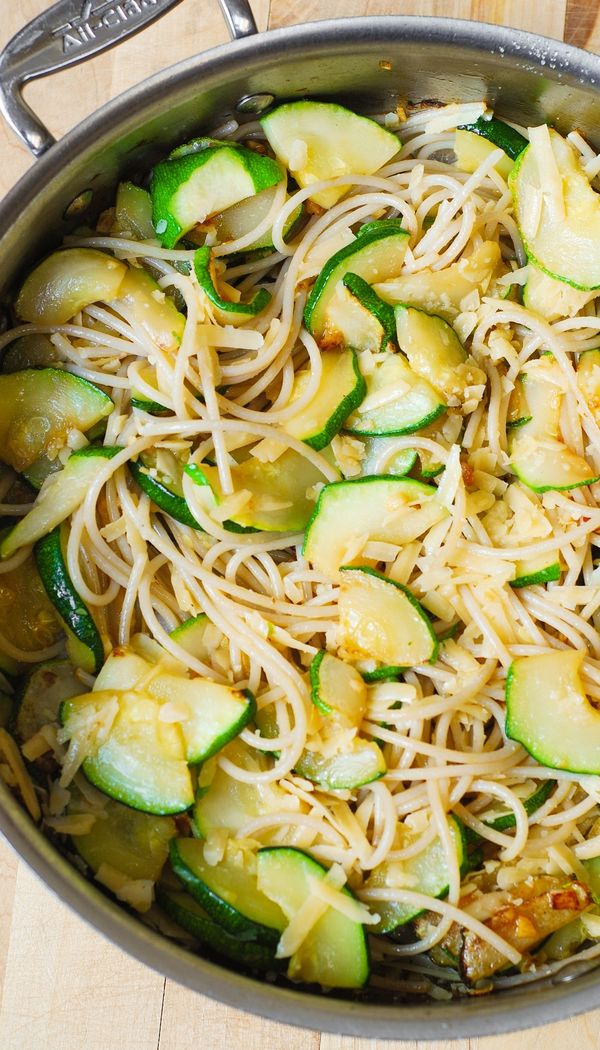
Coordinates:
209 714
44 689
340 391
63 496
191 636
278 500
141 759
215 713
229 891
151 308
189 188
244 217
137 844
557 210
229 312
548 712
518 409
334 953
501 820
30 351
444 291
398 464
40 407
534 571
382 620
192 917
381 321
538 457
133 213
337 689
84 643
472 149
499 134
386 508
397 401
230 804
322 140
159 472
588 380
27 618
141 400
436 354
425 872
550 298
376 254
68 281
353 765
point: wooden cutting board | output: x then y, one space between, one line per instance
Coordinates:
64 987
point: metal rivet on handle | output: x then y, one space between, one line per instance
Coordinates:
255 103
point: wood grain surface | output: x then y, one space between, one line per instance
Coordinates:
64 987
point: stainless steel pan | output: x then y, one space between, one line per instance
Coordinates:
370 62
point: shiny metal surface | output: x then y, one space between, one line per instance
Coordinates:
239 18
67 33
370 62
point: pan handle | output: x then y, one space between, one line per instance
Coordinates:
72 31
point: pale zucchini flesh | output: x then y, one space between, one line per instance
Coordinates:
68 281
334 953
230 804
188 189
142 760
228 892
382 620
337 689
322 140
436 354
444 292
561 236
396 402
40 407
425 872
549 713
376 254
539 458
588 380
340 390
241 218
551 298
386 508
134 843
278 500
133 213
150 308
63 495
358 763
472 149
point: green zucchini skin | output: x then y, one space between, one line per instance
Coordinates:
172 504
350 401
535 800
501 134
229 918
384 313
368 234
261 300
549 575
191 916
61 591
